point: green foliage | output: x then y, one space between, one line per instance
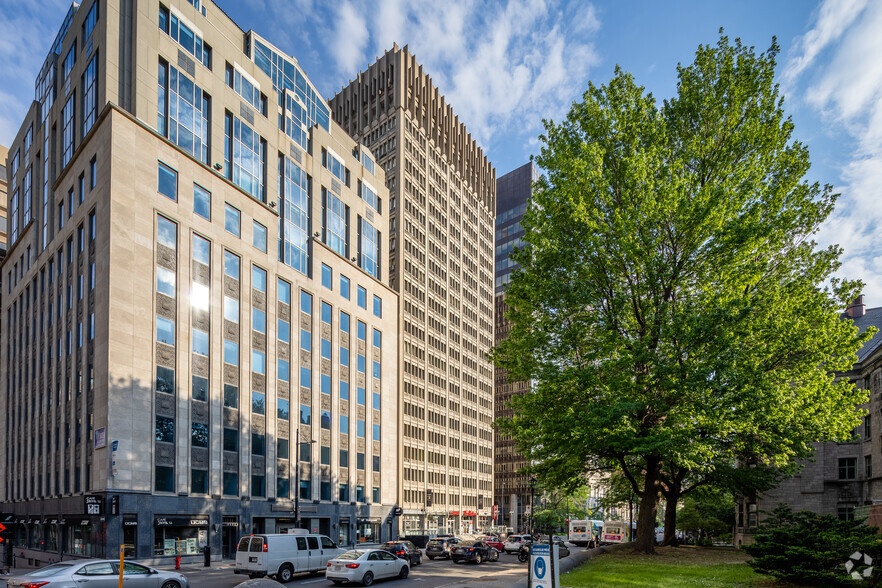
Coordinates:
670 309
812 549
708 512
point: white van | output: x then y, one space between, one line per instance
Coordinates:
282 555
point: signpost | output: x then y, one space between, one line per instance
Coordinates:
544 571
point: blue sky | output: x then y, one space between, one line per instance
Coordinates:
504 65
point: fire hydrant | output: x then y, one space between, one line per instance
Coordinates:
177 562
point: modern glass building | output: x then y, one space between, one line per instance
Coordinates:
199 333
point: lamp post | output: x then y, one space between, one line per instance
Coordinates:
502 506
532 500
297 478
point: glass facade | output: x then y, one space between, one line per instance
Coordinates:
245 157
294 221
184 112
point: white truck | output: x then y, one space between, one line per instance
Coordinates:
283 555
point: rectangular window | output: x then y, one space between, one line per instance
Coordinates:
344 390
199 435
201 201
376 400
201 250
166 232
165 330
200 388
305 377
378 307
284 291
245 157
258 444
247 88
362 297
67 130
282 448
305 303
376 463
231 265
868 429
359 428
93 172
847 468
165 380
231 396
283 370
362 331
165 429
327 277
376 433
259 236
325 382
359 493
305 414
868 466
305 490
326 313
258 320
368 248
198 481
165 281
231 219
344 425
70 60
282 409
344 286
376 369
343 493
334 164
376 495
326 419
231 309
231 352
231 440
359 460
378 339
258 486
295 215
90 20
183 112
258 362
369 195
171 25
200 342
344 456
335 223
360 395
325 455
164 480
258 403
258 278
284 331
305 340
90 94
168 181
231 484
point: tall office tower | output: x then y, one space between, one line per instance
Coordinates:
442 194
200 338
513 492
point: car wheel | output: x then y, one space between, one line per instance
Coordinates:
171 584
402 574
494 556
285 573
477 558
368 579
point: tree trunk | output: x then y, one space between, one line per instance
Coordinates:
671 498
645 540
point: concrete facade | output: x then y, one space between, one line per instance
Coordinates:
191 290
442 206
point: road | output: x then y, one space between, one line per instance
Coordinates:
429 574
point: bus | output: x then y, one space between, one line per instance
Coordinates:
617 532
582 531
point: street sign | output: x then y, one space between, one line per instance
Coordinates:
397 511
528 509
544 572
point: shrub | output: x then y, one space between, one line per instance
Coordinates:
808 548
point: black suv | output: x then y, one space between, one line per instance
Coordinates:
440 547
404 550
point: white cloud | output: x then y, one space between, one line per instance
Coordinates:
843 79
351 34
502 66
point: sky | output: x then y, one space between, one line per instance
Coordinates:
504 65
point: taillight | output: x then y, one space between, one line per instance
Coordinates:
400 553
34 584
265 548
353 566
329 564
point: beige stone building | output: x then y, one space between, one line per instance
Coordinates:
194 285
442 205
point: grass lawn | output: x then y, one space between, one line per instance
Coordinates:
684 567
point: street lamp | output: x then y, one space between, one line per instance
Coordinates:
532 499
297 477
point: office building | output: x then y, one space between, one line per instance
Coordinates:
442 193
513 491
199 333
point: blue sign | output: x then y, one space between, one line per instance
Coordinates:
541 556
539 568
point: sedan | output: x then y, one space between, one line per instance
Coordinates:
94 572
476 551
514 542
364 566
493 542
404 550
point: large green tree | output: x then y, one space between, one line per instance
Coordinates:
672 309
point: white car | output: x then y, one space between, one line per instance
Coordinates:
514 542
365 566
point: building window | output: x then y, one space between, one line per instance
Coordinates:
305 414
165 330
846 513
67 130
368 248
258 486
198 481
93 172
231 396
362 297
305 303
168 181
231 352
90 20
199 435
171 25
327 277
344 286
165 380
164 478
232 219
868 429
200 388
259 236
282 411
258 403
334 164
200 342
335 223
344 427
231 265
231 484
369 195
282 448
284 291
258 362
847 468
202 202
90 92
868 466
166 232
165 429
378 339
258 444
283 370
378 307
343 492
294 238
258 279
245 157
231 309
165 281
247 88
183 112
305 378
69 60
283 331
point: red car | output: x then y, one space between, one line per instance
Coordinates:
493 542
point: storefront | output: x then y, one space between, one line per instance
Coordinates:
130 534
367 530
177 535
230 536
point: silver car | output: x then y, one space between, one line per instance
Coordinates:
365 566
99 573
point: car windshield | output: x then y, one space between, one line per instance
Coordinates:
350 555
50 570
435 542
392 544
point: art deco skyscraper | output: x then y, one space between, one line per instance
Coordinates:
442 205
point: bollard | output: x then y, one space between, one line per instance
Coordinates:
177 562
207 551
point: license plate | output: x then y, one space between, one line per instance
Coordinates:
337 568
252 559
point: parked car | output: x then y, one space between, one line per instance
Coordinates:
365 566
89 572
404 550
440 547
493 542
283 555
562 549
514 542
476 551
